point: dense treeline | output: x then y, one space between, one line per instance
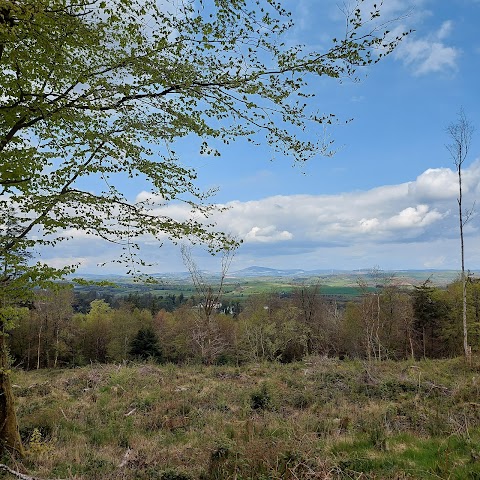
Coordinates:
388 322
144 300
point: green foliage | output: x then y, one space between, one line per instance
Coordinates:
173 475
145 345
260 399
99 91
37 445
432 313
11 316
270 327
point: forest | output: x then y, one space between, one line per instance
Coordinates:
65 328
300 386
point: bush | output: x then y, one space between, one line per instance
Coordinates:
260 400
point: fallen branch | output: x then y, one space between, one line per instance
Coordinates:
23 476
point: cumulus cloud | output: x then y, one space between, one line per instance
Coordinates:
412 217
409 225
60 262
369 224
150 198
361 224
435 184
395 212
267 234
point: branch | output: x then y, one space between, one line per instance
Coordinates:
23 476
57 198
468 213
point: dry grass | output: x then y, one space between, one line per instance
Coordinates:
317 419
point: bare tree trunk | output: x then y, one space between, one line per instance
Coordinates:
461 136
466 349
28 352
411 346
377 334
39 346
207 335
57 346
424 343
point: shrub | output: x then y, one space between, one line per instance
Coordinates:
260 400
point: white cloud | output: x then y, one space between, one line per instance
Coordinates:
412 217
421 210
60 262
435 184
150 198
429 54
409 225
267 234
369 225
435 262
445 30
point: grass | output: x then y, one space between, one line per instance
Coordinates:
321 418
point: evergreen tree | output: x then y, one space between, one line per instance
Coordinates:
430 314
145 345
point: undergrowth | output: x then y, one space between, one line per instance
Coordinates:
316 419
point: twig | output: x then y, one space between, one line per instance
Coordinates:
124 461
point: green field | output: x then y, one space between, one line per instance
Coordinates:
239 288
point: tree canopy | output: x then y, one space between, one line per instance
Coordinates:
100 90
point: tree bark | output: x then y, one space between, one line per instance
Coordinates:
9 431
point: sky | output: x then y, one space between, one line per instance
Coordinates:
386 199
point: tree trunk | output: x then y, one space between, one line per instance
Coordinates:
57 346
424 344
461 136
39 347
466 348
9 432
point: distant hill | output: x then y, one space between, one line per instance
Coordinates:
256 271
266 272
295 276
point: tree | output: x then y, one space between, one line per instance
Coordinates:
145 345
431 313
207 335
371 287
96 92
315 315
97 331
102 90
13 298
257 330
461 136
397 319
126 323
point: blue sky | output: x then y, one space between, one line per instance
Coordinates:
388 196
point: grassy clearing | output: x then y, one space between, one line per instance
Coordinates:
321 418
